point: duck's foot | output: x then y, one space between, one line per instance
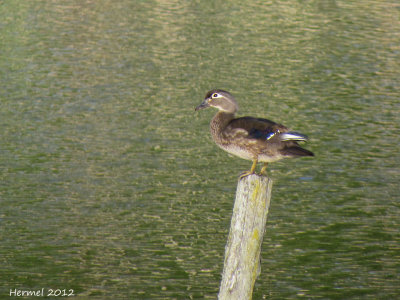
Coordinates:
247 173
264 170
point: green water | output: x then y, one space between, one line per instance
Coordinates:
110 182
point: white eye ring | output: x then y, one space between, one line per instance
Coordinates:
215 95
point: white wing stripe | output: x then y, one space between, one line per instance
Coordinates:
293 136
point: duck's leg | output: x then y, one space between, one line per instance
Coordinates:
253 168
263 169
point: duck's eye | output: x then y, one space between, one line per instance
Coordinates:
215 95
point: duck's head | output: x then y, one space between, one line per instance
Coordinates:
220 99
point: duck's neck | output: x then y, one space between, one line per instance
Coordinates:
219 123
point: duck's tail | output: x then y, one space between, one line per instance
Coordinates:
296 151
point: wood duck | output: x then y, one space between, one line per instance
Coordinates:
255 139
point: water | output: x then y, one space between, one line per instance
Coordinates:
111 185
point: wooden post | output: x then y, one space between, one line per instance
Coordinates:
242 251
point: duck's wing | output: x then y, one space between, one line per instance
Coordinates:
255 128
263 130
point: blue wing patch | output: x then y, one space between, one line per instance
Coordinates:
258 134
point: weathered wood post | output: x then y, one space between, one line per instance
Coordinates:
242 251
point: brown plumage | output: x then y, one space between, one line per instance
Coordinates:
256 139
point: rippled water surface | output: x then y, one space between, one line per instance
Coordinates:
111 185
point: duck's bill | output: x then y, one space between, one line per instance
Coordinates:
203 105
